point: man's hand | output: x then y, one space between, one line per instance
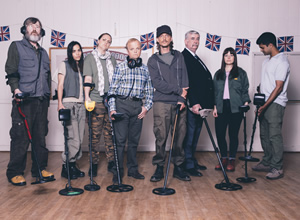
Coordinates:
16 92
215 112
143 113
111 115
195 109
261 109
182 105
60 106
184 92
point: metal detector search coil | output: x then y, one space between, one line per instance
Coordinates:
89 105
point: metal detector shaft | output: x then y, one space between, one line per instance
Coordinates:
171 147
115 152
164 191
216 149
253 131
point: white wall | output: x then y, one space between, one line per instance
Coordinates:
84 20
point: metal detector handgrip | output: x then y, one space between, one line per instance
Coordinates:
204 113
22 95
117 115
91 85
244 108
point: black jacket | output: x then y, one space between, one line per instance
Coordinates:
201 89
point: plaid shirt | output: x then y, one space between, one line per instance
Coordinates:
123 80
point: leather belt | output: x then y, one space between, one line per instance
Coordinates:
129 98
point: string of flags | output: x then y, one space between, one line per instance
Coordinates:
213 42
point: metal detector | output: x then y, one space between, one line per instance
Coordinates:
164 191
93 186
258 100
225 184
64 115
246 158
90 105
120 187
39 177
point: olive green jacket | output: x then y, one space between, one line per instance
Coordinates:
238 91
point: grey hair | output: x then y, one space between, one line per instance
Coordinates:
191 32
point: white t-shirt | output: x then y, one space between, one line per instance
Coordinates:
62 70
275 68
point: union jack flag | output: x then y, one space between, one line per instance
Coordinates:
242 46
285 44
4 33
95 43
213 42
58 38
147 41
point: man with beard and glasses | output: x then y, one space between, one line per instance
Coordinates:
28 72
170 80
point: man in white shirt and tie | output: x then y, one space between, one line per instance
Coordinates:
200 96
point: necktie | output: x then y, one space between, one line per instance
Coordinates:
197 58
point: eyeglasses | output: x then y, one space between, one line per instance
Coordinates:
33 26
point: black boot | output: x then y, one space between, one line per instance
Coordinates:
180 174
64 172
110 166
75 170
158 174
95 170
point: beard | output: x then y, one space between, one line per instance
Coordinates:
32 38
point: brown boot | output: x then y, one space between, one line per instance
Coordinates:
231 165
224 163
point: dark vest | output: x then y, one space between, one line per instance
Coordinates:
71 82
31 81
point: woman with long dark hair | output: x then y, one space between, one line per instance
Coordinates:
70 96
231 91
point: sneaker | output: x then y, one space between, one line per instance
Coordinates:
274 174
158 174
261 168
18 180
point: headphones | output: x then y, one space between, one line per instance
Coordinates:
23 28
132 63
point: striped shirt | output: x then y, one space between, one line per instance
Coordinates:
134 82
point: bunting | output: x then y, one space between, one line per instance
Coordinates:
58 38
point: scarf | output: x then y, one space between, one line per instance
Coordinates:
109 67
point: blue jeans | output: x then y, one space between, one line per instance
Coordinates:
194 125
